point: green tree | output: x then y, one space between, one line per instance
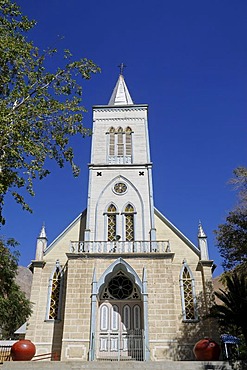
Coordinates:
39 110
231 312
15 308
232 235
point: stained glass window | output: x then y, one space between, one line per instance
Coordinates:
188 295
111 226
55 294
120 287
129 222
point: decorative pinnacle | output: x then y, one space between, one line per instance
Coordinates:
122 66
42 232
201 233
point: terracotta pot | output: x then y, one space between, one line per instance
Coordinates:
23 350
206 350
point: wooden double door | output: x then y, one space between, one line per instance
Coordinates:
120 330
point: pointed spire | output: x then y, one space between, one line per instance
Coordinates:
202 243
43 232
201 233
41 244
120 95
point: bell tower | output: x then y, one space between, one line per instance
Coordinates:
120 194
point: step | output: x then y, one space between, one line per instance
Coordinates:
114 365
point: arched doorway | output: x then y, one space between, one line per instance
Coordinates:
120 334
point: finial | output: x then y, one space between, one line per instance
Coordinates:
122 66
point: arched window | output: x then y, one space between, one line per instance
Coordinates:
128 140
55 293
120 145
129 222
111 142
188 296
111 222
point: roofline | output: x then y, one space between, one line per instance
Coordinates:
177 232
50 246
120 106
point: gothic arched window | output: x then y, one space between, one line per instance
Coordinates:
129 222
111 222
187 288
111 141
55 293
128 140
120 145
120 142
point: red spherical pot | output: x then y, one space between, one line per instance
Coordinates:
206 350
23 350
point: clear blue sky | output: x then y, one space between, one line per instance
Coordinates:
187 60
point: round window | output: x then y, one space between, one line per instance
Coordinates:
120 188
120 287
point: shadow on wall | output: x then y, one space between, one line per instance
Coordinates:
58 325
191 332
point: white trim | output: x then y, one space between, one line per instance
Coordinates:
181 284
49 292
109 184
129 269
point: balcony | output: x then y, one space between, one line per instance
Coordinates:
120 247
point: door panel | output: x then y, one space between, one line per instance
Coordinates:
120 330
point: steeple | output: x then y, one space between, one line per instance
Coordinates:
120 95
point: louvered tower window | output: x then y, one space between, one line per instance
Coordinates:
129 222
120 145
188 296
111 222
128 140
111 142
120 142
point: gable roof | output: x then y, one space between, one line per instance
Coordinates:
60 236
177 231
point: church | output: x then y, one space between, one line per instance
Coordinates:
121 282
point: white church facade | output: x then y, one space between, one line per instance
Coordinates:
121 282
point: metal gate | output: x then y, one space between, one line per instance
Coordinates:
125 347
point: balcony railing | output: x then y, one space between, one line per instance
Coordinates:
120 247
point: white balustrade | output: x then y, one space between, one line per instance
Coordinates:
121 247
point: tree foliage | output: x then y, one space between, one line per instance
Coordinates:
232 235
15 308
39 110
231 313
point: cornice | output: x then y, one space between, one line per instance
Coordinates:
205 263
120 108
76 256
124 166
120 119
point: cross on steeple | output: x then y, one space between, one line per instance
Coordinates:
121 66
